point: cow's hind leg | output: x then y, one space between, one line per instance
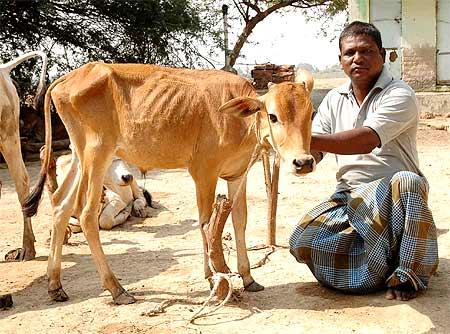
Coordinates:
239 217
62 201
94 167
13 156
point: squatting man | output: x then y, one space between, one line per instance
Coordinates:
376 231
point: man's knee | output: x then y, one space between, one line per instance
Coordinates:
410 182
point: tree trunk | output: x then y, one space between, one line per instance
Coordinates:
250 25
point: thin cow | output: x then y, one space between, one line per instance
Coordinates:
10 144
154 117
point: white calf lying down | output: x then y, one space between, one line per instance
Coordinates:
10 144
121 198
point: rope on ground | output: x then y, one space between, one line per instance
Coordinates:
265 259
217 277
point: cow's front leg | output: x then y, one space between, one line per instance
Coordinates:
205 189
239 217
94 168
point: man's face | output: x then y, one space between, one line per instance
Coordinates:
361 59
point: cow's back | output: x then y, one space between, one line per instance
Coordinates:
158 117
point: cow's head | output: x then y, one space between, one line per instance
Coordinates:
286 108
118 173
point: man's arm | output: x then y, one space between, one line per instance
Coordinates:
318 156
356 141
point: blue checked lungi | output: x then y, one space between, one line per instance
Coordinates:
377 235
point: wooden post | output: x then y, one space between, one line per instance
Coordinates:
267 176
272 204
214 230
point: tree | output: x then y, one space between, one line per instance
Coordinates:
253 12
74 32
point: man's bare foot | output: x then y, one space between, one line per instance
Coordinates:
403 292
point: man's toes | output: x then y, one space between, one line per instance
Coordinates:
407 295
400 295
390 294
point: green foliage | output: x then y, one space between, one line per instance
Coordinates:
73 32
183 33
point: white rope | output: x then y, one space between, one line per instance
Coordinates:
217 278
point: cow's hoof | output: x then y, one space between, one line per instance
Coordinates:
58 295
20 254
124 298
254 287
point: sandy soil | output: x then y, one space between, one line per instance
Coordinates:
160 258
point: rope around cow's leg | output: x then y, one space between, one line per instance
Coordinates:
217 277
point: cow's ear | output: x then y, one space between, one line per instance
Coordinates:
305 78
242 106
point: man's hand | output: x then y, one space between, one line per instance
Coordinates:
356 141
318 156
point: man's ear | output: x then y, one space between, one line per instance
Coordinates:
242 106
383 54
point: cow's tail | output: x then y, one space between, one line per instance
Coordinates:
31 203
40 93
148 198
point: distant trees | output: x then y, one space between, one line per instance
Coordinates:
180 33
252 12
74 32
168 32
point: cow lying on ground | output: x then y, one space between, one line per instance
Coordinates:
122 196
154 117
10 144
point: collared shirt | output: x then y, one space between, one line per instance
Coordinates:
391 110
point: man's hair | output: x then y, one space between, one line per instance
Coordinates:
361 28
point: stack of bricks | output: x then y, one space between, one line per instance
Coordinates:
265 73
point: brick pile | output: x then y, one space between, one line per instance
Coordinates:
264 73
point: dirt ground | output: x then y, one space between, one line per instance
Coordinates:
160 258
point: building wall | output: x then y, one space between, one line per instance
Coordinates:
443 41
417 49
419 44
359 10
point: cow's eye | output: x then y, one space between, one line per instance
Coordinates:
273 118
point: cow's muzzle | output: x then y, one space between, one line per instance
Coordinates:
303 166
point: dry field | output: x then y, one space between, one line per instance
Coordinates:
160 259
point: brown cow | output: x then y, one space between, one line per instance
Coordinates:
10 144
156 117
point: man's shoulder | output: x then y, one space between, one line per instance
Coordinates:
338 92
399 88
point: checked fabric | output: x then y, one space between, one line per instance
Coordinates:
377 235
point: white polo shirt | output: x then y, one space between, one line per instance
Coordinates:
391 110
